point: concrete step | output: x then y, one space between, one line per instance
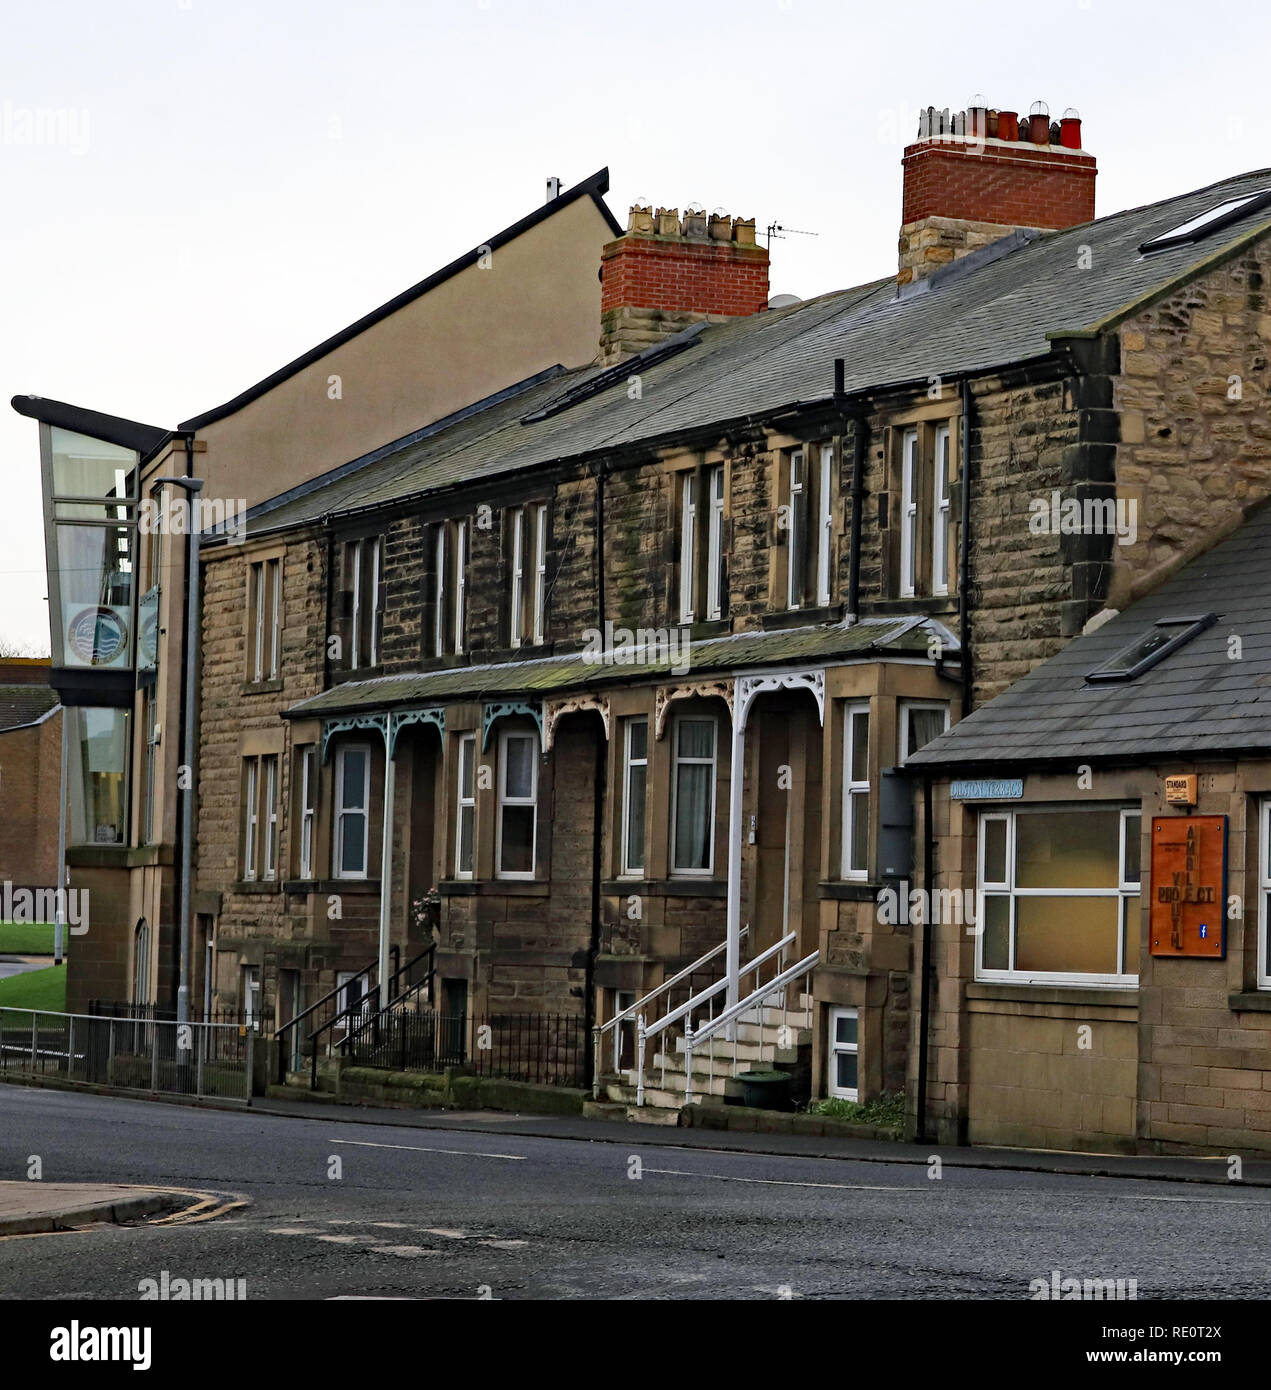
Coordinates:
751 1042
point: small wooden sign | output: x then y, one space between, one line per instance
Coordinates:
1189 875
1180 790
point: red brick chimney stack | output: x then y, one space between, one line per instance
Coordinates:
977 175
668 272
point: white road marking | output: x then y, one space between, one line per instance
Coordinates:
290 1231
783 1182
408 1252
416 1148
340 1240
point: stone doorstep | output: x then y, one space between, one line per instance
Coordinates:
30 1208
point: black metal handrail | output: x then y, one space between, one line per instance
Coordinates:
397 996
359 1010
286 1047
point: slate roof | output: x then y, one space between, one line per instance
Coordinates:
875 638
21 705
1197 701
984 312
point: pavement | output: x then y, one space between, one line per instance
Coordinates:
1168 1168
333 1203
28 1208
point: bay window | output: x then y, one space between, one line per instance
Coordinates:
518 804
1059 895
693 795
635 757
466 820
855 848
352 810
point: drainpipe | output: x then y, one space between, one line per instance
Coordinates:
598 806
193 487
859 431
386 863
964 551
924 995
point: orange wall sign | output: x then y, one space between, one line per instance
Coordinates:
1189 874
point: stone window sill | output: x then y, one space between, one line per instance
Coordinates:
1115 996
666 887
1252 1001
260 687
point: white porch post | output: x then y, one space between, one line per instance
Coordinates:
386 860
732 955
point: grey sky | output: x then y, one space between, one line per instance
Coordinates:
233 182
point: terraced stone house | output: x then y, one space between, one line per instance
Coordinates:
595 692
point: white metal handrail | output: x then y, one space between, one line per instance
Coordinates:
643 1033
743 1006
632 1011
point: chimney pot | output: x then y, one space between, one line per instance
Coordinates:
744 231
1070 129
640 218
668 222
720 227
1008 125
553 188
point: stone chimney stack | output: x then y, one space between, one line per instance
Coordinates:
668 272
977 175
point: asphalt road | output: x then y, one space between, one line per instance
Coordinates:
412 1213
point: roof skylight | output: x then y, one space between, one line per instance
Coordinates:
1159 641
1206 223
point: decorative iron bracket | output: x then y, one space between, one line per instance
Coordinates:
344 722
667 693
554 710
400 718
501 709
749 687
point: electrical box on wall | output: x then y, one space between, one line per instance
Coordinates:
895 825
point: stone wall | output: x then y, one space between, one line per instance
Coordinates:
1195 444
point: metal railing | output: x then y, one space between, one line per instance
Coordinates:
129 1053
706 998
546 1049
754 1000
634 1011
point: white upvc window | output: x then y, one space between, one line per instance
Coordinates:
516 521
693 771
363 561
1059 895
518 804
715 542
825 526
466 801
540 573
439 591
843 1072
856 798
797 515
258 620
308 807
688 546
352 810
251 810
921 721
1264 895
270 868
908 511
461 585
275 619
940 514
635 759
